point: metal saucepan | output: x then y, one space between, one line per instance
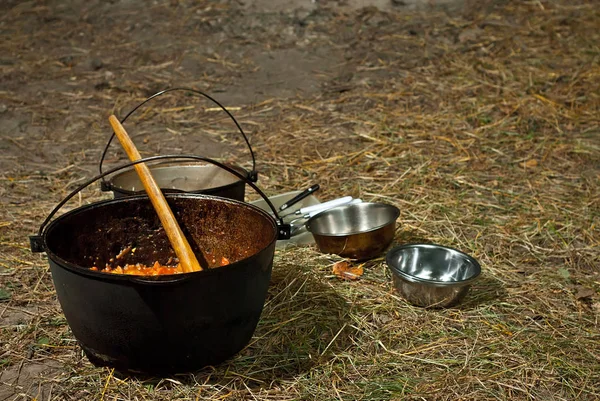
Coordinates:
430 275
358 231
164 324
196 177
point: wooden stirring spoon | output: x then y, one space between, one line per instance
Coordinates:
182 248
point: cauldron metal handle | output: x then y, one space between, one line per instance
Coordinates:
37 242
252 175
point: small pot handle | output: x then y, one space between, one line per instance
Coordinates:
37 241
252 175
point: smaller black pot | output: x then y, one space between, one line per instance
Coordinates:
194 178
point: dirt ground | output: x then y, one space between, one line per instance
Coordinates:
479 119
71 54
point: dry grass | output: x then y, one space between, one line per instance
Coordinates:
486 137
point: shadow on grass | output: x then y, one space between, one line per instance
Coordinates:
485 291
302 317
300 327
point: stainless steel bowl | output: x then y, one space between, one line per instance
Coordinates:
359 231
432 275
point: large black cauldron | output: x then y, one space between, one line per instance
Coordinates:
167 324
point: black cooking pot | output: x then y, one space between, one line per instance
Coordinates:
164 324
190 177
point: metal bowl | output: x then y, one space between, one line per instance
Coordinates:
432 275
360 231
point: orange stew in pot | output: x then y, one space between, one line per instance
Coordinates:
139 269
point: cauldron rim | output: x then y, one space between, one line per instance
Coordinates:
151 280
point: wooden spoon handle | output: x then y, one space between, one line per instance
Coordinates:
182 248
